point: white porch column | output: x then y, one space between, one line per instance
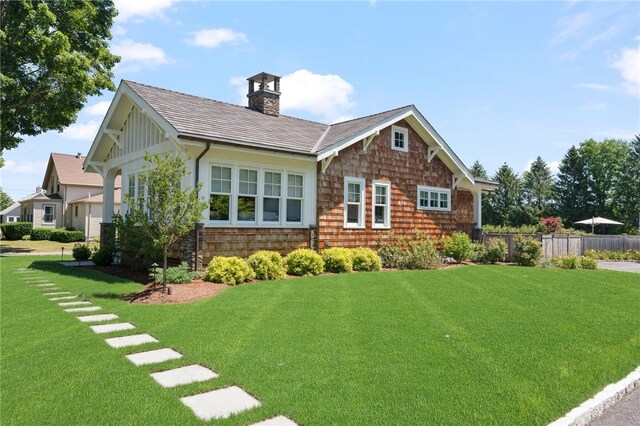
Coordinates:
477 208
108 182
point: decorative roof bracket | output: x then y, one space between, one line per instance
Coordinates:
367 141
114 135
457 179
328 160
433 150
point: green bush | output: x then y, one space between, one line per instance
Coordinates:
365 259
103 257
457 246
494 251
267 265
81 252
337 260
569 261
589 263
303 262
41 234
613 255
392 256
228 270
527 251
65 236
137 248
15 230
175 275
422 254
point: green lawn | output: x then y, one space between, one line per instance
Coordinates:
469 345
44 246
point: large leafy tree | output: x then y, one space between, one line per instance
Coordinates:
478 170
504 206
54 55
572 187
538 187
627 192
5 200
173 211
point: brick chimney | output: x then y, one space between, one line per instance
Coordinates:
265 99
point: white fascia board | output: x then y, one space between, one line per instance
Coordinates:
345 143
249 149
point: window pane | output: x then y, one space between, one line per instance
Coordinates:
248 182
353 192
294 210
247 208
424 199
444 200
379 214
272 184
381 195
226 173
271 210
219 207
221 179
294 186
353 213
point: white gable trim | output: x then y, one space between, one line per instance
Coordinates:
412 111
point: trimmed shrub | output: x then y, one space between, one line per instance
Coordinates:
569 261
41 234
589 263
64 236
81 252
494 251
102 257
15 230
365 259
267 265
228 270
337 259
421 255
304 262
457 246
177 274
527 251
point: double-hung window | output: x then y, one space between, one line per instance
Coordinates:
295 187
49 213
432 198
354 202
381 198
272 196
220 197
399 139
247 195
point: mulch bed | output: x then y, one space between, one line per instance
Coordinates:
153 294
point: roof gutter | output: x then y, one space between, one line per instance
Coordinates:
235 143
197 247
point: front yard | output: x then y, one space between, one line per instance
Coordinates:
467 345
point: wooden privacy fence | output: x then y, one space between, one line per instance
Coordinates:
563 244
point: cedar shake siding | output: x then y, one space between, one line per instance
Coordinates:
244 242
405 171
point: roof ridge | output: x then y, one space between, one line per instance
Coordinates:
216 100
372 115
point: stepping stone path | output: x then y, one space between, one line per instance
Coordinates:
216 404
183 376
220 403
153 357
133 340
110 328
98 318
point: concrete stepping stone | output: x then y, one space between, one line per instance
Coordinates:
98 318
183 376
109 328
63 298
277 421
133 340
84 302
220 403
87 309
57 293
153 357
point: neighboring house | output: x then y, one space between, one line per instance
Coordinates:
67 198
280 183
10 214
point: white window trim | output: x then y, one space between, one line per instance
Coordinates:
259 222
430 189
261 175
362 182
230 194
387 218
405 132
44 213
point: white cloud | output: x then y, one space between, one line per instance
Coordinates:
141 9
135 56
554 166
594 106
82 131
215 37
572 27
327 96
628 63
25 167
98 109
594 86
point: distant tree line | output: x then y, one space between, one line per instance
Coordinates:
594 179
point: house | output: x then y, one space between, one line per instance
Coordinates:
68 197
280 183
10 214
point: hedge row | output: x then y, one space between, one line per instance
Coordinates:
60 235
15 230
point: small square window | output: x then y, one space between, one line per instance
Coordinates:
399 139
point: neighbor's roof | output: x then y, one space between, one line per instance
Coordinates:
10 208
41 196
97 199
69 169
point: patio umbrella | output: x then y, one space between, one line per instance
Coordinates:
598 221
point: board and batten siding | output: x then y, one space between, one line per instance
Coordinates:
139 132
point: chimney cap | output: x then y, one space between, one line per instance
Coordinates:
264 75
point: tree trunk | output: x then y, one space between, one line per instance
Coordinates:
164 272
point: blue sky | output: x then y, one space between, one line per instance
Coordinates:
500 81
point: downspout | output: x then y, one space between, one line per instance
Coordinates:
197 247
